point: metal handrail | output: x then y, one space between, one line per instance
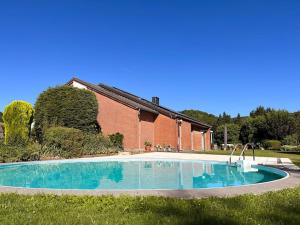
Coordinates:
235 148
243 152
246 148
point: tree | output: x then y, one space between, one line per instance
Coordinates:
297 125
260 129
66 106
238 120
233 133
201 116
1 115
17 117
260 111
222 120
226 118
279 124
272 124
247 131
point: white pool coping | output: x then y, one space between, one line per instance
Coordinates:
166 155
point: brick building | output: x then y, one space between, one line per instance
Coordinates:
140 120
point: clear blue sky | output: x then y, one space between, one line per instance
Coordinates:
210 55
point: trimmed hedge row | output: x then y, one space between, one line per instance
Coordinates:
12 153
70 142
290 148
68 107
272 144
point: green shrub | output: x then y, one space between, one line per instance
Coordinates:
233 131
291 148
17 118
272 144
97 144
70 142
11 153
147 143
63 142
68 107
291 140
117 140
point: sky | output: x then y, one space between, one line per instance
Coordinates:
210 55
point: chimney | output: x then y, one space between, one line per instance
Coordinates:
155 100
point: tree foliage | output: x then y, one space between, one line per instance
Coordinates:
17 117
66 106
1 120
296 116
262 124
233 132
201 116
260 111
279 124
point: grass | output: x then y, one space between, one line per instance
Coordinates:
264 153
276 208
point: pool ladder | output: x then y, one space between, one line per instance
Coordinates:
242 153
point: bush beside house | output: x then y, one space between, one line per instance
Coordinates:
17 118
65 126
68 107
70 142
63 142
13 153
117 140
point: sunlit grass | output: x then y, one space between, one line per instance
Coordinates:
272 208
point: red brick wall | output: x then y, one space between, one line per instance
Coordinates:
186 136
197 138
165 131
147 128
207 140
115 117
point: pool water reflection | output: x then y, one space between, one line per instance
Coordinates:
128 175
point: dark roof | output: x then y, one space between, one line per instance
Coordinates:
137 102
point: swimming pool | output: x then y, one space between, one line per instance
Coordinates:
137 174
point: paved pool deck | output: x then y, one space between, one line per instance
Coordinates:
293 180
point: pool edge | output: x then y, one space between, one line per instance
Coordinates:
290 181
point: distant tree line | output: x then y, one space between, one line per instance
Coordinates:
262 124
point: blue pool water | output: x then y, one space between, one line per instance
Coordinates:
128 175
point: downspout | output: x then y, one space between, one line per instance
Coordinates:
192 140
179 143
139 129
202 141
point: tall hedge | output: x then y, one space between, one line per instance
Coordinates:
66 106
17 117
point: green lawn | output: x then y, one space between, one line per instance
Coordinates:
282 208
266 153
